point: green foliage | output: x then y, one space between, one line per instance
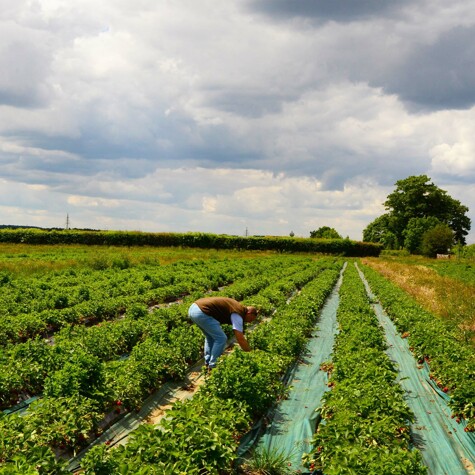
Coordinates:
63 421
137 311
268 461
196 437
415 230
82 375
468 251
199 240
38 461
460 269
437 240
452 360
380 231
395 252
287 333
200 435
50 422
325 232
416 198
366 420
250 378
99 461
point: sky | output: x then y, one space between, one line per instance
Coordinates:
258 117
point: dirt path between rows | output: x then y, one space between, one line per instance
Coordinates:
192 383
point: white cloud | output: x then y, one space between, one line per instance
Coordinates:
454 159
213 116
209 204
88 202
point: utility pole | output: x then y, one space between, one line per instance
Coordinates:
67 221
247 234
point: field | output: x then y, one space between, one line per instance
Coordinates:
446 289
90 333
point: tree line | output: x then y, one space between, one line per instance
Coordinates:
341 247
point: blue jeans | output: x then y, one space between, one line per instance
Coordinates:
215 338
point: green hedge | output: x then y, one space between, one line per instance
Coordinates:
343 247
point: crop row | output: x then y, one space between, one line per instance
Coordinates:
441 345
201 435
42 305
365 421
82 389
27 368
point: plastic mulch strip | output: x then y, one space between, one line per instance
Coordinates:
119 432
293 420
445 447
21 407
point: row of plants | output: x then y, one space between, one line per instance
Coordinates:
38 259
133 378
26 368
365 422
111 339
201 435
42 305
287 332
448 298
84 385
432 340
344 247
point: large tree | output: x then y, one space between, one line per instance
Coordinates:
417 204
381 230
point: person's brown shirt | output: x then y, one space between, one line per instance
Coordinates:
221 308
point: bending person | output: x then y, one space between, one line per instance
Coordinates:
210 313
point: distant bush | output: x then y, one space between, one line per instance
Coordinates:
437 240
468 251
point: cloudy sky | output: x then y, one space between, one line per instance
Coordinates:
269 116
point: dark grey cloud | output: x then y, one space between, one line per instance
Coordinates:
219 146
334 168
440 75
326 10
245 103
432 70
126 157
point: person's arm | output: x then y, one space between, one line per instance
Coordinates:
241 339
238 328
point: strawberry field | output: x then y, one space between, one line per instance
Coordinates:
85 340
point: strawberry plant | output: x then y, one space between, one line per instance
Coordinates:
257 386
198 436
63 422
365 421
201 434
450 357
89 364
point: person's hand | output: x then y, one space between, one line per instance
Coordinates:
241 339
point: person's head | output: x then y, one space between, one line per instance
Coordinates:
251 314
